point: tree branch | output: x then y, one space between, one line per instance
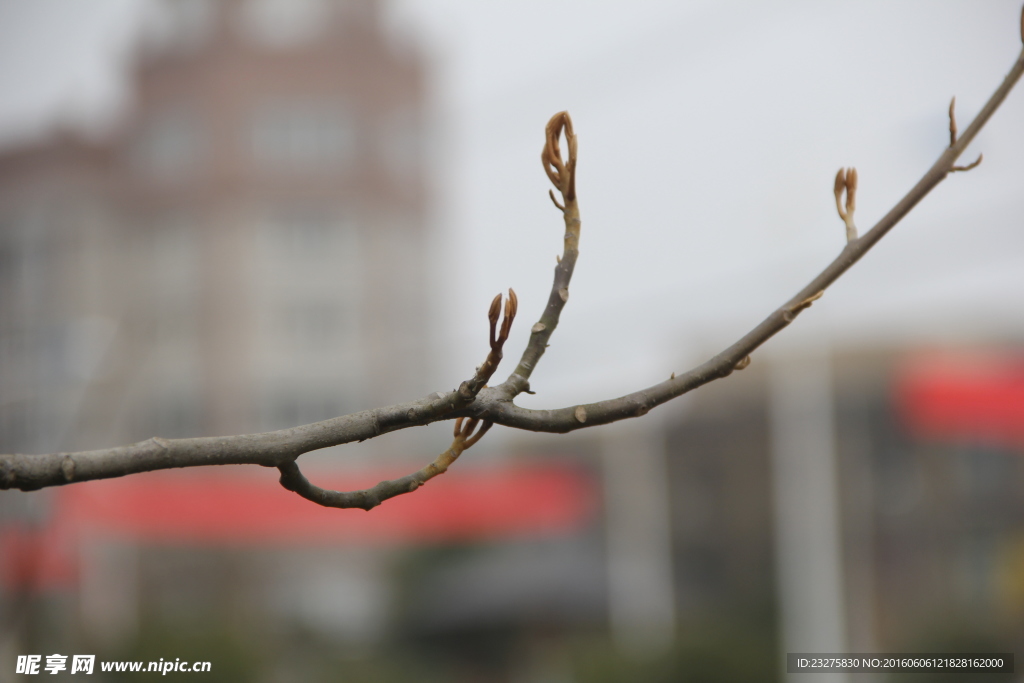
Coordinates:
473 399
640 402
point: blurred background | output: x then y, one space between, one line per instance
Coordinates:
226 216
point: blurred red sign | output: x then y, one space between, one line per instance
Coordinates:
965 397
219 506
234 506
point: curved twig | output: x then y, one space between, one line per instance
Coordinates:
367 499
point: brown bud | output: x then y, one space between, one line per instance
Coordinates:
495 309
851 191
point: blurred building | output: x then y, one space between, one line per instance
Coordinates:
247 251
929 494
244 253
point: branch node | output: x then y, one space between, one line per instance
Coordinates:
581 414
538 327
806 303
743 363
67 468
790 313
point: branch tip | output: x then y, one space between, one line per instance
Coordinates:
495 309
551 193
471 387
562 174
846 180
952 121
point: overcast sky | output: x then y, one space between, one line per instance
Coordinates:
709 134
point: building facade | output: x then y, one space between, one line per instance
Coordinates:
244 252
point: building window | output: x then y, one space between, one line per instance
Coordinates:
285 23
313 136
168 145
314 325
402 144
311 232
292 407
174 416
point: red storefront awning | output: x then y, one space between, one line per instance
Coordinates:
224 505
246 506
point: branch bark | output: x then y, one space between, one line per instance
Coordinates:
473 399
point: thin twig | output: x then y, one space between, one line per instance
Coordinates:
367 499
969 166
471 387
563 176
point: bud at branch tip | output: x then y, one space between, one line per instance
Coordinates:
846 180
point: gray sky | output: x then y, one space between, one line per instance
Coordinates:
709 132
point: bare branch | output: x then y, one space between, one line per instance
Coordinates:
489 404
640 402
